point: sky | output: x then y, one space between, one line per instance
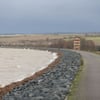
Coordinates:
49 16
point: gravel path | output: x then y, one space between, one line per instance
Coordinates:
89 86
53 84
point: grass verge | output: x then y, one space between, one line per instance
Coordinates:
75 83
97 52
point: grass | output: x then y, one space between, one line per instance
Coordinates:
95 39
97 52
75 83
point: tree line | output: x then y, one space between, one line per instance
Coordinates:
87 45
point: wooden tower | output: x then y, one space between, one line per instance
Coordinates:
77 43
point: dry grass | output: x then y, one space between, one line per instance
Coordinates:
95 39
15 38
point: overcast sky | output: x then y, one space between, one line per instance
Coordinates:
41 16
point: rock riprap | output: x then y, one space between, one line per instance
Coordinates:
54 84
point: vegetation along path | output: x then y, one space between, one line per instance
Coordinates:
89 86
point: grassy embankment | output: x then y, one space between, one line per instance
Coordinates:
75 83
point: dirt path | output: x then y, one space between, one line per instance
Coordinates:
89 86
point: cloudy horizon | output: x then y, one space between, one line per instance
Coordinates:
41 16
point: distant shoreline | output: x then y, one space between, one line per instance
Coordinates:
52 33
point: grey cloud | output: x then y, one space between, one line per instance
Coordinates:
49 15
